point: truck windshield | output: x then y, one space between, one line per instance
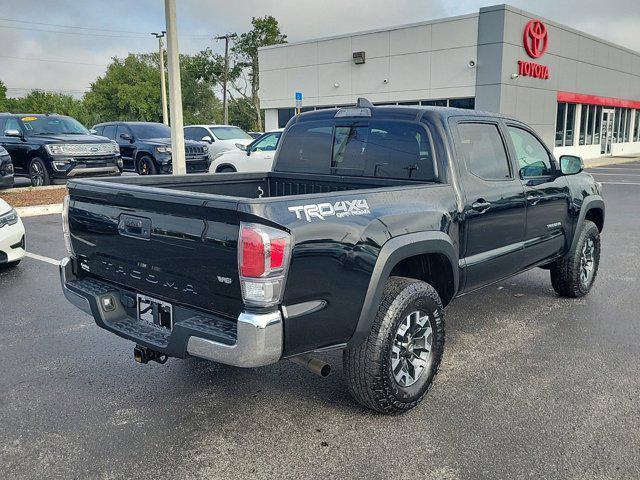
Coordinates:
52 125
150 130
230 133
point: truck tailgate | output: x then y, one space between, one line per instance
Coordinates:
139 237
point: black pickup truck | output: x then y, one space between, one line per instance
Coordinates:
373 220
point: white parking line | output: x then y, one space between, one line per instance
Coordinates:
35 256
620 183
618 174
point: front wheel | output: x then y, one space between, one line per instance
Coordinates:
38 173
393 369
226 169
146 166
573 276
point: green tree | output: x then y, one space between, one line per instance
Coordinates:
130 89
265 31
38 101
3 96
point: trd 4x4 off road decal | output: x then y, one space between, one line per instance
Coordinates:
340 209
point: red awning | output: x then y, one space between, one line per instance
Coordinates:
596 100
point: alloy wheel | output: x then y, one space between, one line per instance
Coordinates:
411 348
37 174
587 262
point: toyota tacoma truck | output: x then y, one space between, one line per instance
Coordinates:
372 221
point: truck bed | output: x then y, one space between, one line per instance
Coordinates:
259 185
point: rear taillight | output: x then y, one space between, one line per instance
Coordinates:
263 257
66 232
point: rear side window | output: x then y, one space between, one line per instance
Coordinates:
306 148
484 151
109 132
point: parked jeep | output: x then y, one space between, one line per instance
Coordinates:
146 147
6 169
52 148
372 221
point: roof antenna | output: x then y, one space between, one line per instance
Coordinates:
363 103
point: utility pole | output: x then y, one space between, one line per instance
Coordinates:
225 76
175 90
163 85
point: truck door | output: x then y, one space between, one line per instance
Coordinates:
547 195
494 215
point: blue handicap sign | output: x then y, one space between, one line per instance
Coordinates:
298 96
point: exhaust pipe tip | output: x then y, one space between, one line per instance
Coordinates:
312 364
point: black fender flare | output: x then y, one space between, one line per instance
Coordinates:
591 202
392 252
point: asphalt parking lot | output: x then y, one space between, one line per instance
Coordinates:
531 386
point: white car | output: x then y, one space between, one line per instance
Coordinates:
12 243
256 157
221 138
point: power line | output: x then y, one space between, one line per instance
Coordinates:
72 33
134 34
69 26
53 60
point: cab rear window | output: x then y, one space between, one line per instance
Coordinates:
384 149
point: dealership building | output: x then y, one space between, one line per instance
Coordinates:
581 93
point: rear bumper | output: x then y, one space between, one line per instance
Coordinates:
255 340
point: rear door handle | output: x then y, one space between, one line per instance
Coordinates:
481 205
533 199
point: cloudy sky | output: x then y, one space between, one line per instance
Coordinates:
39 52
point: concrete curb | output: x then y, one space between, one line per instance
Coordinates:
32 189
602 161
38 210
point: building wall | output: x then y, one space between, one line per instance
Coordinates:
578 63
428 60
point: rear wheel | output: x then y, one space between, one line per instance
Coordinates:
573 276
393 369
146 166
38 173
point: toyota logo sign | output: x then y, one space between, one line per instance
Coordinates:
535 38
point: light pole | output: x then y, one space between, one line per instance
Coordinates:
175 90
225 76
163 86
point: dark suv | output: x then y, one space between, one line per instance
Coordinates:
146 147
6 169
51 148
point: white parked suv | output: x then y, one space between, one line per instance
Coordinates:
221 138
255 157
12 243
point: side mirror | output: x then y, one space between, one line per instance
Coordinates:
207 139
93 131
13 133
126 136
571 164
241 147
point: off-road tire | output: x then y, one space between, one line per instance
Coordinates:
368 367
565 272
225 169
146 166
38 173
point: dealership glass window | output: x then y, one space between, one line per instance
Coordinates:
590 114
636 128
484 151
616 125
284 115
598 126
468 103
569 125
562 108
434 103
627 125
584 113
533 158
